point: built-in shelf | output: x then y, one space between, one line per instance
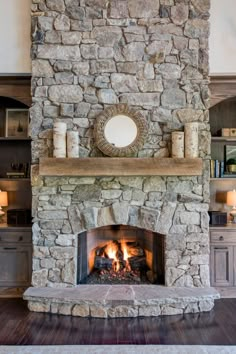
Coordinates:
223 179
115 166
14 139
15 179
223 138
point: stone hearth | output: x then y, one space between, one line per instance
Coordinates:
121 300
153 56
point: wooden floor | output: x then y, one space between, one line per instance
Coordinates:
21 327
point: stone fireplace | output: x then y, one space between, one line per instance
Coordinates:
119 254
86 56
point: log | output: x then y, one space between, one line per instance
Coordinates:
135 251
177 139
103 263
59 139
191 139
137 262
72 139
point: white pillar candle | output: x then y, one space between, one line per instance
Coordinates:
59 139
177 139
72 138
191 139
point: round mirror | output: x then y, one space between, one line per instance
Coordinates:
120 131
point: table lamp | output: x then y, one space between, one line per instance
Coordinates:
231 200
3 201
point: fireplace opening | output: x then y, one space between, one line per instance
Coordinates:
120 254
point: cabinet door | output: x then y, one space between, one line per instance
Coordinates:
222 266
15 265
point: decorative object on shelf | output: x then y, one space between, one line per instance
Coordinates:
225 132
217 217
3 201
177 147
72 140
191 139
232 132
230 158
17 122
120 131
231 200
59 139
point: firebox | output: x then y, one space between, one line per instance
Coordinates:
120 254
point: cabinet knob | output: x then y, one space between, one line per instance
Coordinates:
221 238
21 238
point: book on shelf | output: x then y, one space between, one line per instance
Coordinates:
15 174
217 169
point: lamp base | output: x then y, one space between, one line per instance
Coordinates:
233 214
1 212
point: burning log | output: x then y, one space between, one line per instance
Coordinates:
137 262
103 263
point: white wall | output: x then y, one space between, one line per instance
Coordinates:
223 37
15 43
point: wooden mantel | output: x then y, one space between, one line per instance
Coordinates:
116 166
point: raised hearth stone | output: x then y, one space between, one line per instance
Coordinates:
121 300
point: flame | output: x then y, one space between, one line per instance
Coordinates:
111 251
125 255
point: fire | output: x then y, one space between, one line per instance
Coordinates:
112 251
125 255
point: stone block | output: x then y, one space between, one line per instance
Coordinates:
59 52
74 10
173 98
141 99
56 5
65 93
64 309
62 252
206 305
105 38
171 310
40 278
71 38
123 311
62 23
41 68
154 184
134 51
89 51
148 311
81 310
120 212
124 83
98 311
169 71
179 14
107 96
196 28
140 9
38 306
151 85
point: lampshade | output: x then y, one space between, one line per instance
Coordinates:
231 198
3 199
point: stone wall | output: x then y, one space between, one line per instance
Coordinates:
87 55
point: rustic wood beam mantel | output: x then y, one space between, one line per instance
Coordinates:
222 88
115 166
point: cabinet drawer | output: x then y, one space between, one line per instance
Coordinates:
15 236
223 237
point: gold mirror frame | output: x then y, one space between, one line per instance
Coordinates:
108 148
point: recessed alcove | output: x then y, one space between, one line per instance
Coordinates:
145 255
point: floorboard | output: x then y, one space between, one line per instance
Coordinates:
21 327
